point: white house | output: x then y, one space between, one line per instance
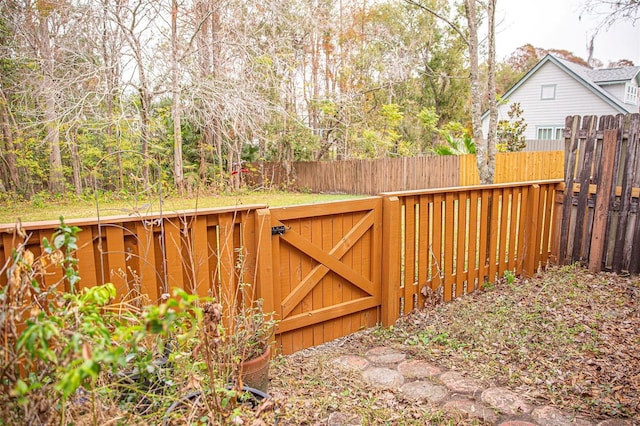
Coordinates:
555 88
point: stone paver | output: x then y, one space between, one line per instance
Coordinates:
417 380
551 416
422 390
418 369
458 383
383 378
472 409
351 362
385 355
505 400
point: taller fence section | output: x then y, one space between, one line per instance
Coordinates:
442 244
600 221
372 177
516 167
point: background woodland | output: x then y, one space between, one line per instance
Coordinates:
124 95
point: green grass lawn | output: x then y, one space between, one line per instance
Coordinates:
85 208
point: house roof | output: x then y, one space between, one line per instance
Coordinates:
586 77
614 75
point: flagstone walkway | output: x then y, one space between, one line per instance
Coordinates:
389 369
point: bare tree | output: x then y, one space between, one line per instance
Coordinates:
178 173
44 48
136 19
485 148
612 11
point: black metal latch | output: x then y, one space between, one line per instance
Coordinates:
278 230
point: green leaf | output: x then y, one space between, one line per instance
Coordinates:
59 241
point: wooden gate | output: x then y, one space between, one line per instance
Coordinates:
600 220
326 263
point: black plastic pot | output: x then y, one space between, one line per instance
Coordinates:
256 396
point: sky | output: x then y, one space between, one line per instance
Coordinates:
555 24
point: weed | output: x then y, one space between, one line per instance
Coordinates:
509 277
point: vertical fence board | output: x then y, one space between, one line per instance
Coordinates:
449 243
472 255
483 245
424 258
634 264
390 260
494 229
571 151
513 229
173 249
409 251
461 254
436 249
147 261
605 182
86 265
586 164
628 172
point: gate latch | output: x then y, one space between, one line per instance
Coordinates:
278 230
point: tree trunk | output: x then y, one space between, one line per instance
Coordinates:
77 166
175 88
111 64
144 135
56 176
13 179
491 83
476 94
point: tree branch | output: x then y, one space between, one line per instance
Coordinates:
441 17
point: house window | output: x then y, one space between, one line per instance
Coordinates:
548 92
549 132
630 94
559 131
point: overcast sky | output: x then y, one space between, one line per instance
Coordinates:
556 24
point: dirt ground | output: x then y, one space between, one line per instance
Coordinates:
567 338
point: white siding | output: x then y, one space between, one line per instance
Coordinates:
571 98
617 90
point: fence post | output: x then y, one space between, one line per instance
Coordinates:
391 231
264 272
531 232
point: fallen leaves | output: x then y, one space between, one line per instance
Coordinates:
567 338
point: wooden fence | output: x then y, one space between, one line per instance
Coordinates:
152 254
326 270
516 167
372 177
600 221
544 145
448 243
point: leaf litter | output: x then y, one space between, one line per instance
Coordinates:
566 338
